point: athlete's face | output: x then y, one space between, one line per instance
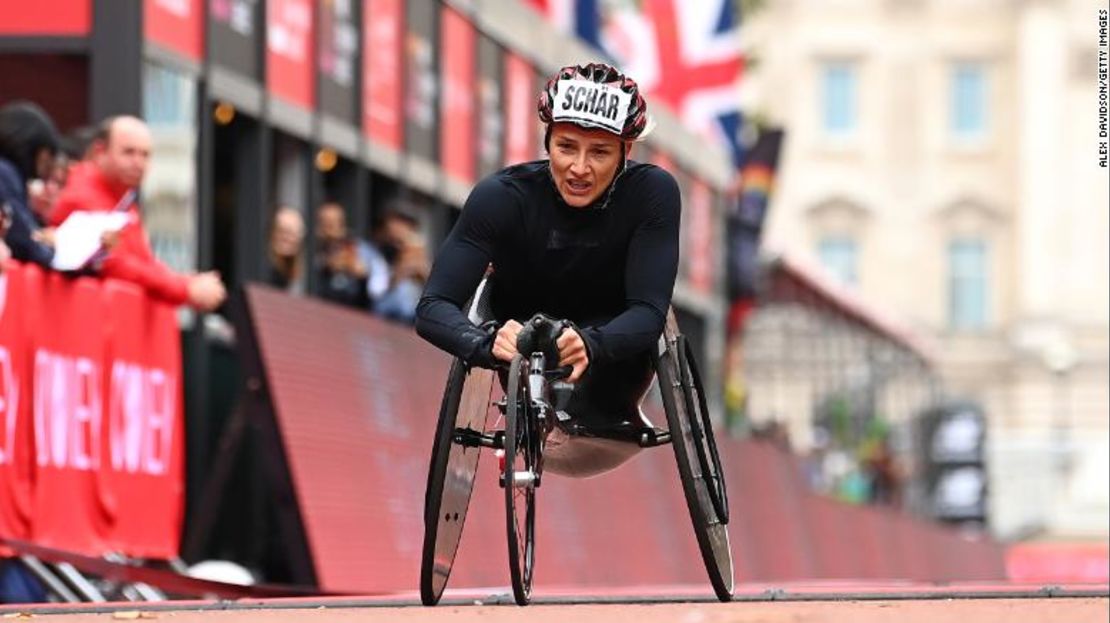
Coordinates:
583 162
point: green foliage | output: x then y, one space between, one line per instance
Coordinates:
840 421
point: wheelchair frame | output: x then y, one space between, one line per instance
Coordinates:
461 433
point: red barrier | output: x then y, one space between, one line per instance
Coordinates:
355 401
67 355
90 389
1086 562
16 460
144 444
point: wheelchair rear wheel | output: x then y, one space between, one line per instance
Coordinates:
691 436
519 480
462 416
701 427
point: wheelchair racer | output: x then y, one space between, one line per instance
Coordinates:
586 235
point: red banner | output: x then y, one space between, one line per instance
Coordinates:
54 18
290 72
91 449
520 110
177 25
16 460
383 27
458 52
1086 562
699 242
145 434
67 354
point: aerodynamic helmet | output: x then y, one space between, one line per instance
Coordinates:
594 95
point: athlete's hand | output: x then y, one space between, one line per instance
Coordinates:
572 352
504 345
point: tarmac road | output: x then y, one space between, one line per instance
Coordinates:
912 605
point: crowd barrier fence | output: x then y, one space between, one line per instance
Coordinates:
91 430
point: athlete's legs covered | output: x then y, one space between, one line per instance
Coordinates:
609 396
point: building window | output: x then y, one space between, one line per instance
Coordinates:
967 284
169 190
838 254
968 91
838 98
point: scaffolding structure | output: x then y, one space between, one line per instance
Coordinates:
827 373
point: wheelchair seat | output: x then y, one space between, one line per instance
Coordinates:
584 449
643 433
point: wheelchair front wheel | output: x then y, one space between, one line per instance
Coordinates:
519 478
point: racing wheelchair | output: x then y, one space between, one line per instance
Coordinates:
531 433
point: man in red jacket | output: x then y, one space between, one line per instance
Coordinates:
109 181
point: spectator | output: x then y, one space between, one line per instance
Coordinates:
286 243
885 475
43 193
5 223
109 181
28 146
349 271
398 238
78 144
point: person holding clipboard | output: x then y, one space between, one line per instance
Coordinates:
101 192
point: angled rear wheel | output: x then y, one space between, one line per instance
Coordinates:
702 479
454 463
701 429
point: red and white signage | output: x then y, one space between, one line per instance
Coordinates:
57 18
290 71
458 56
176 25
520 110
383 28
16 447
91 447
144 430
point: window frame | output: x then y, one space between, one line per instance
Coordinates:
959 276
851 104
840 242
958 72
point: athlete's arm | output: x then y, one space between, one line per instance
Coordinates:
458 269
649 278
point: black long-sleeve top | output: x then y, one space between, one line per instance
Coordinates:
20 238
610 270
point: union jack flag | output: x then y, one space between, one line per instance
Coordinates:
685 55
581 18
